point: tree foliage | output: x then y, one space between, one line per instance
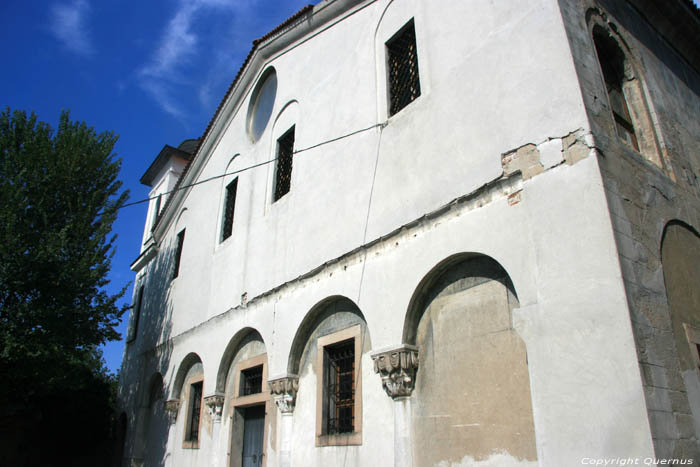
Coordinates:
59 196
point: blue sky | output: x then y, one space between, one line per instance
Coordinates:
152 71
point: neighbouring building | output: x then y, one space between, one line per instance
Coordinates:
424 233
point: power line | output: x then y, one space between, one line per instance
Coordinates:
216 177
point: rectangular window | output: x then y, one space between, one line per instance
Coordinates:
404 80
229 208
251 380
194 412
340 387
178 252
137 316
283 172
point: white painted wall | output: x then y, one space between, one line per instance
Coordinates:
494 76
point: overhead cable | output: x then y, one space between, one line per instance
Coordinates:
244 169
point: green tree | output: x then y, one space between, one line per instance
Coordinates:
59 196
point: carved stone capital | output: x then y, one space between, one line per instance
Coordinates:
171 407
215 404
284 390
397 368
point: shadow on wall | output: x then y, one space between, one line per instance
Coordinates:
147 357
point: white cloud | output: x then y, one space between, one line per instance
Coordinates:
68 24
177 48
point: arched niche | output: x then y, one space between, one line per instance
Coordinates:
472 390
245 344
154 391
190 364
329 354
327 316
242 379
680 258
153 424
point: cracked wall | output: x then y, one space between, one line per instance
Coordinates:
533 159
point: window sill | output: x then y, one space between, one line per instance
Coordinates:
343 439
190 445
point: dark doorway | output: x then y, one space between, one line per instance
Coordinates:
253 434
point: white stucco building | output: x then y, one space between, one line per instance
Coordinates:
434 234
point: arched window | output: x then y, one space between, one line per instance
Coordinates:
628 103
612 63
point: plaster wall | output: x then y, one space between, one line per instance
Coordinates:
368 184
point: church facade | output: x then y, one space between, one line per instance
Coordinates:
422 234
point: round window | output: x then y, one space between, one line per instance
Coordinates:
261 103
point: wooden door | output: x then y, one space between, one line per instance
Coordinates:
253 435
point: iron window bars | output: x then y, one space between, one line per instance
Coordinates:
404 80
229 209
283 175
251 380
340 390
195 410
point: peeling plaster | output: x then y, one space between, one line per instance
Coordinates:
499 459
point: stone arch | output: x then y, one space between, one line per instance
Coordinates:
152 425
472 387
235 344
435 280
318 313
330 351
154 390
680 259
190 360
633 119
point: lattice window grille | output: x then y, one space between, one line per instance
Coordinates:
283 175
404 80
340 392
251 380
229 208
196 404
